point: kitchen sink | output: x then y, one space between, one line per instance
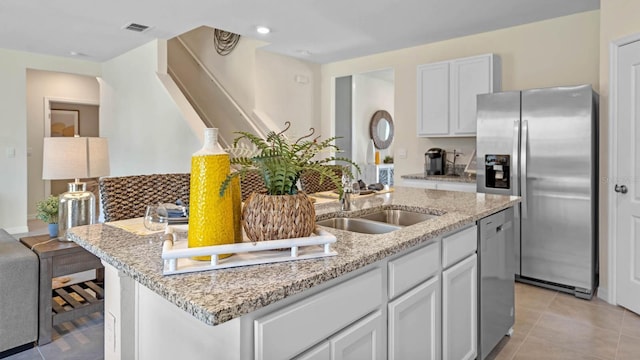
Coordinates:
398 217
359 225
377 223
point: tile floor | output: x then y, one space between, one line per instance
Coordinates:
552 325
549 325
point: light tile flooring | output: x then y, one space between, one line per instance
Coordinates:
549 325
553 325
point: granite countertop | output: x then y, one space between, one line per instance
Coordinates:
217 296
465 178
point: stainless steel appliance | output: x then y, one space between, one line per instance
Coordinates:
496 266
435 160
542 145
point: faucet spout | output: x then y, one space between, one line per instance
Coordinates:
345 200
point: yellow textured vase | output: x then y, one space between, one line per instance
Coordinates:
236 198
210 216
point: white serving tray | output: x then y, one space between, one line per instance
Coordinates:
176 255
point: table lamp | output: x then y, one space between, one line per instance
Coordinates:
75 158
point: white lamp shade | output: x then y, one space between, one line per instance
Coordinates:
74 158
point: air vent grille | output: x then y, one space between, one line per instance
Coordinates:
136 27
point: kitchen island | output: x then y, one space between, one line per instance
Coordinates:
226 313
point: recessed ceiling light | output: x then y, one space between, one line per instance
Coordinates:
304 52
263 30
76 53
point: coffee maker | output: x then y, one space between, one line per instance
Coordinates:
435 160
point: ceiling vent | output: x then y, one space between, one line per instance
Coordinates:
136 27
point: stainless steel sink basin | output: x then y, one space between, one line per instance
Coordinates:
359 225
398 217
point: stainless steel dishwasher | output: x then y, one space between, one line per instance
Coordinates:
496 277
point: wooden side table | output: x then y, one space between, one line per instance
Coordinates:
58 258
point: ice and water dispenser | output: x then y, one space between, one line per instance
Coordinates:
497 171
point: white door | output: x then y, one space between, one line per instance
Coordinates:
628 175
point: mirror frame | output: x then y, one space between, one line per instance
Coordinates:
373 129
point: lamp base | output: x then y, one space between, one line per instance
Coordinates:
75 207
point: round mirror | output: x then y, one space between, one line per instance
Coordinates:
381 129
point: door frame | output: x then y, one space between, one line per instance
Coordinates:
47 122
614 48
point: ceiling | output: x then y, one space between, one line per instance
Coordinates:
320 31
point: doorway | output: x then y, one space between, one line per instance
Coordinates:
64 118
69 93
624 188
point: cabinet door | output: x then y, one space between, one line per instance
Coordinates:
433 99
460 310
414 323
363 340
469 77
319 352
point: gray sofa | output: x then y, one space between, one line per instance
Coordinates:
18 293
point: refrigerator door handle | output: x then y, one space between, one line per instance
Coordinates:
523 167
514 157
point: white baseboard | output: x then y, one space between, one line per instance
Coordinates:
603 294
18 230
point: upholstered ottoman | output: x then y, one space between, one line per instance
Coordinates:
18 293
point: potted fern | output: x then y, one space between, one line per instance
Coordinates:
47 211
283 212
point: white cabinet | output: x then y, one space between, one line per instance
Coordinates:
363 340
356 297
319 352
460 310
414 323
447 94
440 185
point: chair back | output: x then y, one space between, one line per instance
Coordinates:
127 197
252 182
310 180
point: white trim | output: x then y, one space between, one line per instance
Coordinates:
603 294
614 48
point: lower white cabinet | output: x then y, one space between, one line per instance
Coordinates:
319 352
460 310
278 335
414 323
362 340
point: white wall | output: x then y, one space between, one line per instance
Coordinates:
41 84
148 130
370 94
14 133
559 51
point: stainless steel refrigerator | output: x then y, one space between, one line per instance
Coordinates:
542 145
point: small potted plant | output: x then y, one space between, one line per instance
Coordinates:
283 212
47 211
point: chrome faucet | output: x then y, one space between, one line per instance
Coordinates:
345 195
345 199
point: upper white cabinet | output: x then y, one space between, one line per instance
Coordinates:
447 94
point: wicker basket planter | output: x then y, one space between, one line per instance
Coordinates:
273 217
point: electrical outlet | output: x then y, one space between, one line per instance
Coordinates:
402 153
11 152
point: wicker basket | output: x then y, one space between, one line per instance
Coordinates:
272 217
